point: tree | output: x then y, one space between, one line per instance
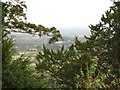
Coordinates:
105 37
91 64
16 71
94 63
14 19
59 65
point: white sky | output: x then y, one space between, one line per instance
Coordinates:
66 13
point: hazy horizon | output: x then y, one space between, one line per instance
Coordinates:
70 31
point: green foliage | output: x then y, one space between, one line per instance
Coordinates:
91 64
58 64
106 35
14 19
19 75
7 50
94 63
69 68
16 72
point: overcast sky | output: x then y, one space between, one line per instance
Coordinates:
66 13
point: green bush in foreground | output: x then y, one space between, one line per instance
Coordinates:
91 64
17 72
94 63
